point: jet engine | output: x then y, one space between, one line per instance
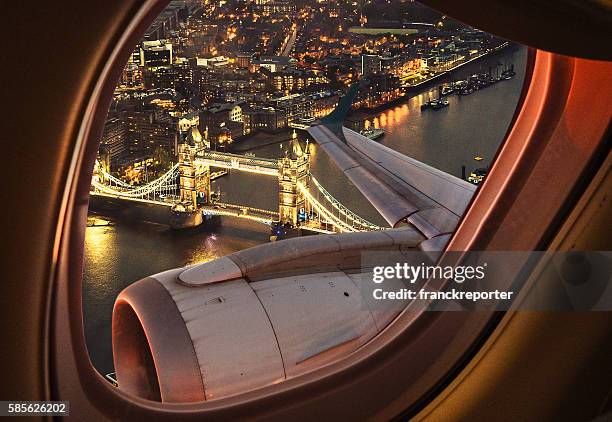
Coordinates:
250 319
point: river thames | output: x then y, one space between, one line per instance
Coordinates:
117 255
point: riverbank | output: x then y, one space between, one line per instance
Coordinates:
251 143
129 212
262 140
449 72
356 116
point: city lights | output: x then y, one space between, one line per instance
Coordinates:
208 75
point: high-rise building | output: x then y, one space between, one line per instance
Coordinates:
114 138
146 132
156 53
166 77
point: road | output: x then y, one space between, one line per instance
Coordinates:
289 44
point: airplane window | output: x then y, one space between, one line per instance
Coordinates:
251 153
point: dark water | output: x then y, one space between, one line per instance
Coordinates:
118 255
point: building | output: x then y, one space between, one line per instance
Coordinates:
217 61
202 38
402 66
222 123
294 80
219 114
275 8
114 138
295 169
168 20
188 121
244 60
168 77
131 77
370 64
267 119
273 63
323 103
147 131
295 106
193 137
235 114
156 53
408 68
378 90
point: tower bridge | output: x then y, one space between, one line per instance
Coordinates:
186 189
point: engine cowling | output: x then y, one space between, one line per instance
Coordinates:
221 328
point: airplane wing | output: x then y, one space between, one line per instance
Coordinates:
399 187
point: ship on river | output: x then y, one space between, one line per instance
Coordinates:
374 133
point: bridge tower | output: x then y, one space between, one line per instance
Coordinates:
294 168
194 183
194 179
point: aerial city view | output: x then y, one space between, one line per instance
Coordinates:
210 144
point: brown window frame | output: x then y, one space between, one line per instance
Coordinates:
423 352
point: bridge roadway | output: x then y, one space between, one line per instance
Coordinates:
244 163
234 210
262 216
219 208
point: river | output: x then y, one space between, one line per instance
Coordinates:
117 255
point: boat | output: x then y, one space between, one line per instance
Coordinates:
439 104
95 222
373 133
447 90
466 90
431 104
508 73
485 80
435 104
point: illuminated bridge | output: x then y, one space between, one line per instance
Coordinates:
185 188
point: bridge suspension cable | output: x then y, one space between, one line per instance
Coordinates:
346 220
112 179
164 185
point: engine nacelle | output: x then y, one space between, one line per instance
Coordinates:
208 331
183 344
